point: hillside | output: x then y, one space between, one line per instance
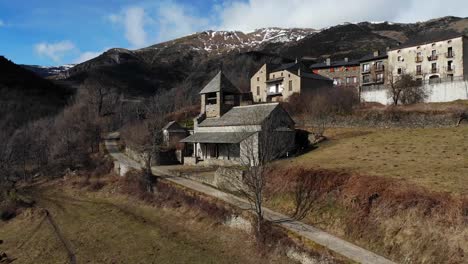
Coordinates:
24 96
188 62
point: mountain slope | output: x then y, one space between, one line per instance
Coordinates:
185 64
24 96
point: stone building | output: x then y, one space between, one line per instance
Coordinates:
173 132
374 69
432 61
277 83
344 73
234 134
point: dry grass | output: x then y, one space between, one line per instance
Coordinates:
406 223
435 158
110 228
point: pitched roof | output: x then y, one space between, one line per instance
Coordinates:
242 115
217 137
174 127
334 64
371 57
294 68
429 38
218 83
310 75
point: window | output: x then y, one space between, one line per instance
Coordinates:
434 67
290 85
449 65
289 75
258 79
399 58
399 71
273 76
418 69
433 53
419 57
277 88
336 81
281 74
258 90
450 52
380 77
379 65
366 78
365 67
349 80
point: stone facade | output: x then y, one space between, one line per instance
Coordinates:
444 59
343 73
374 69
279 84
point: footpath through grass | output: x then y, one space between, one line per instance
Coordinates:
112 229
435 158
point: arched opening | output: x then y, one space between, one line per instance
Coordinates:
434 79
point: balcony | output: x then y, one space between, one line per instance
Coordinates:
378 68
450 68
432 58
449 54
418 59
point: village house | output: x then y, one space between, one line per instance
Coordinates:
344 73
173 132
432 61
226 133
374 69
277 83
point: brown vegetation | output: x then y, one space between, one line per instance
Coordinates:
384 215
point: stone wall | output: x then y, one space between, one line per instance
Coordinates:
438 92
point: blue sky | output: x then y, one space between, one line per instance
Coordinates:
47 32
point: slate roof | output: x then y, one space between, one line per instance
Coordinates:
173 126
371 57
217 137
315 76
429 38
242 115
218 83
294 67
340 63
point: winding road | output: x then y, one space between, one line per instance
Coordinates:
335 244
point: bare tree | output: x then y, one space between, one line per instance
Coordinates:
404 89
256 152
305 194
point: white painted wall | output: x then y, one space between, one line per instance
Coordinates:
439 92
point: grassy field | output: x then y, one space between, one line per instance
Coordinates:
435 158
104 229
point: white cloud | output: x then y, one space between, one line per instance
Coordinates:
134 21
87 55
55 51
241 15
175 20
2 23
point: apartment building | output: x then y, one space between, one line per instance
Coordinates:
433 61
374 68
343 72
277 83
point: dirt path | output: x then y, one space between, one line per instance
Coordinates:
84 227
333 243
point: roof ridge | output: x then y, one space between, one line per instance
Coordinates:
245 106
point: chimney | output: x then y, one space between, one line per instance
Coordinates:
376 53
346 59
328 61
299 71
296 60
